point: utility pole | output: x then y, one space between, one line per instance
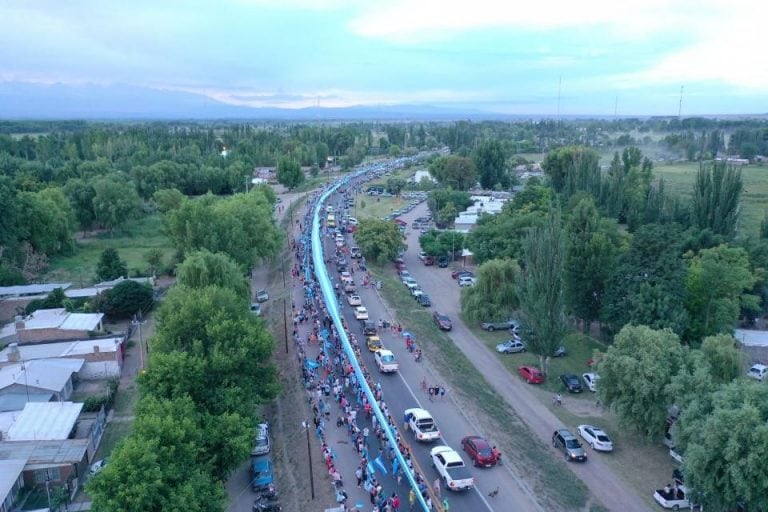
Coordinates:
305 424
680 105
138 322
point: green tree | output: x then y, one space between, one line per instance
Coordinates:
379 240
114 202
167 199
716 287
154 257
110 266
395 185
322 152
725 437
716 199
394 150
55 299
648 286
542 309
573 168
640 354
48 222
81 193
441 243
289 173
494 296
438 200
590 254
457 172
490 163
126 299
202 269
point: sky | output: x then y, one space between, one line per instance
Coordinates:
549 57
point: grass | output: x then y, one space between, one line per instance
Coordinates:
535 459
116 431
125 399
376 206
679 179
132 243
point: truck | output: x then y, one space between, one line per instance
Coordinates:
385 360
674 496
421 423
451 468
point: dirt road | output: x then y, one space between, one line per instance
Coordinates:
602 482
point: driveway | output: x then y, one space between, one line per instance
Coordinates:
444 291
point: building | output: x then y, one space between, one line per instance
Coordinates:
11 483
42 380
51 325
103 357
92 291
55 462
423 175
491 204
42 421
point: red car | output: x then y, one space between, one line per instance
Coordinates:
461 272
481 453
531 374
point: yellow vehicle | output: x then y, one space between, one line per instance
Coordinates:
331 221
374 343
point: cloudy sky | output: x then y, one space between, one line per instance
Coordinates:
598 56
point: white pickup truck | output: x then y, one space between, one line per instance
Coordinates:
421 423
451 468
385 360
674 497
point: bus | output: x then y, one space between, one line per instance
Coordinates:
331 221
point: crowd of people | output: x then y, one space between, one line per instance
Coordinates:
333 389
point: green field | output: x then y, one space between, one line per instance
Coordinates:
132 243
679 178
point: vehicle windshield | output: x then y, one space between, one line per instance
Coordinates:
485 452
572 443
388 358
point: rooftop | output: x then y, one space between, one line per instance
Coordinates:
9 473
44 421
60 349
43 454
60 318
50 374
31 289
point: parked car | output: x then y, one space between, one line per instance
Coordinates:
262 475
758 372
595 437
451 468
373 343
466 281
355 253
511 346
361 313
424 300
442 262
674 496
429 261
590 380
564 441
571 383
462 271
480 451
560 352
354 300
262 296
97 466
422 255
531 374
498 326
256 308
421 423
443 322
262 443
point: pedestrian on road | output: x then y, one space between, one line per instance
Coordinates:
436 487
411 499
442 392
431 393
446 505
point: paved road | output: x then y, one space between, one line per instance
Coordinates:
444 292
402 391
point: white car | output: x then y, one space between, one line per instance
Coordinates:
385 360
352 221
354 300
346 277
590 380
466 281
758 372
452 469
421 423
97 466
596 438
511 346
361 313
411 285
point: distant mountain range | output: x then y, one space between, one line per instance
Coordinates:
59 101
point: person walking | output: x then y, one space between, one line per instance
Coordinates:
411 499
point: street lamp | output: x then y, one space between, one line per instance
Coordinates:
138 322
305 426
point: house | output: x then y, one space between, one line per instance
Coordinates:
14 299
34 381
490 204
103 357
55 462
51 325
11 483
42 421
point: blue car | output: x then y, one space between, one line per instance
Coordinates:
261 473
